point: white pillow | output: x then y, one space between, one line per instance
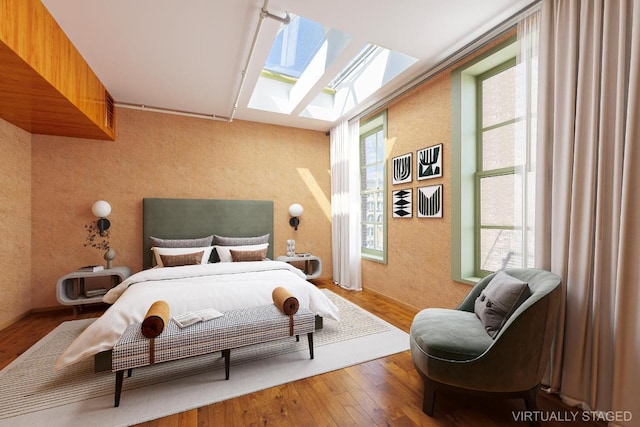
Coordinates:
181 251
224 252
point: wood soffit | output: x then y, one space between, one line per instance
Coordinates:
45 85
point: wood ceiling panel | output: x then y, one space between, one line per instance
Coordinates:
45 85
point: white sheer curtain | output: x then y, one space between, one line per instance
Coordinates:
588 177
345 204
526 103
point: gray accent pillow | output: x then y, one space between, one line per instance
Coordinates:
181 243
240 241
498 300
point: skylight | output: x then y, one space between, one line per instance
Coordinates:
354 65
318 72
295 46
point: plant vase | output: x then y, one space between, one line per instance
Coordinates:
109 255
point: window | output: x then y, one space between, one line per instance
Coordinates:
299 76
493 166
502 241
373 188
295 46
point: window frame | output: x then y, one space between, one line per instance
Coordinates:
481 173
369 127
464 165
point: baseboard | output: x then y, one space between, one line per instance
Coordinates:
48 309
404 305
328 282
14 320
28 312
32 311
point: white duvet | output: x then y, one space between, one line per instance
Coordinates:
223 286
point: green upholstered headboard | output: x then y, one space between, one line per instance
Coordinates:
192 218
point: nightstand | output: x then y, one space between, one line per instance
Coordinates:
312 264
88 287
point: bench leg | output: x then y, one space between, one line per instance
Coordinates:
227 361
129 371
119 377
310 337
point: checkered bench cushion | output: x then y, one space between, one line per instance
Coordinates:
236 328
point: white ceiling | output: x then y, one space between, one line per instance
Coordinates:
189 55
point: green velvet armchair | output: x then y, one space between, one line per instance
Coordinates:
452 349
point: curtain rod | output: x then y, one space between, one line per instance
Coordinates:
458 55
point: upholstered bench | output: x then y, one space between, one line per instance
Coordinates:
236 328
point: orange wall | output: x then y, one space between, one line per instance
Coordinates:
15 223
160 155
418 269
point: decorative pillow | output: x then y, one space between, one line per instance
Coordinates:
498 300
240 241
240 256
181 243
184 259
181 251
224 252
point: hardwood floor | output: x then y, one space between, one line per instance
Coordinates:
382 392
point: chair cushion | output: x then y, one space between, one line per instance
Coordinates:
449 334
499 300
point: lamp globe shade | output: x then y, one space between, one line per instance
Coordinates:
295 209
101 209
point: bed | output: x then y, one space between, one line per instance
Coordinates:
207 283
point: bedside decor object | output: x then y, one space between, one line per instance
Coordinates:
91 268
98 230
102 209
291 247
109 257
92 293
295 210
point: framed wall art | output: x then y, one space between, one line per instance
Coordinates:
401 169
429 162
429 201
402 203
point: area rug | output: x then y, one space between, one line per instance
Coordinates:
32 393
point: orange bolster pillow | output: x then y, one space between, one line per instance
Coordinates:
285 301
156 319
